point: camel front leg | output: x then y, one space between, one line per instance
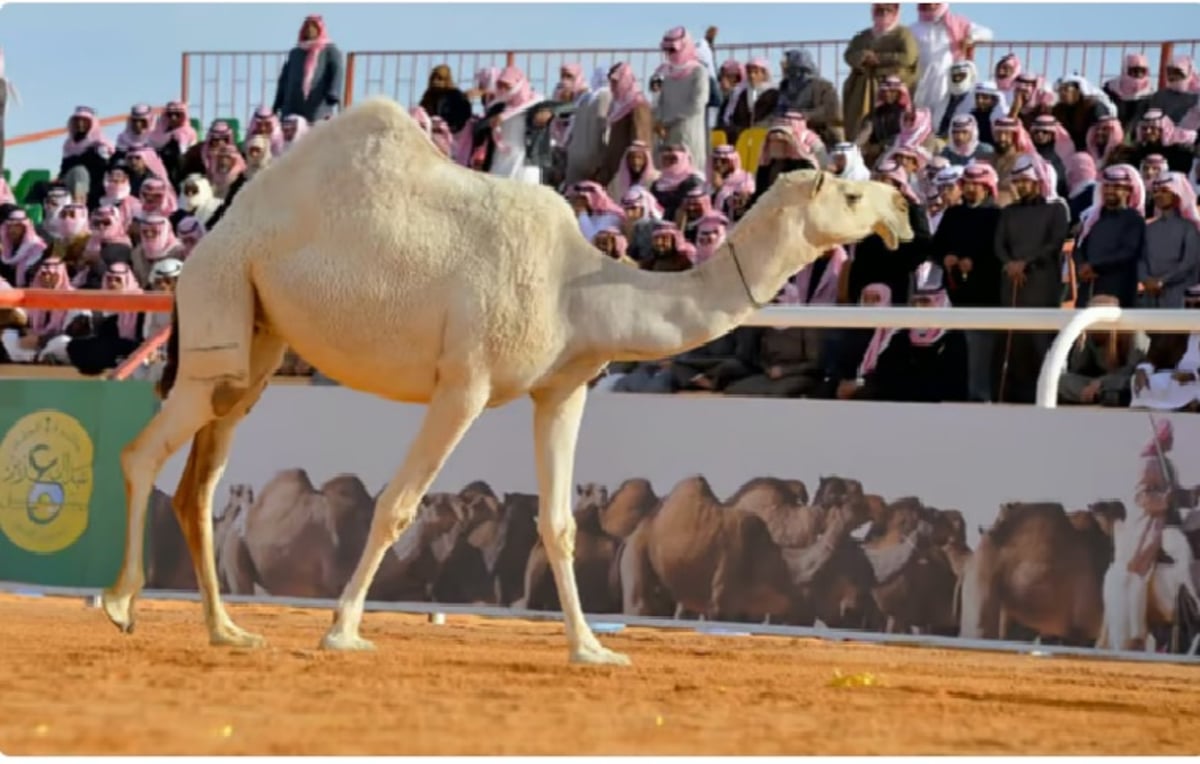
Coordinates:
183 413
556 420
449 415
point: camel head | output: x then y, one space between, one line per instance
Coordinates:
826 211
1107 514
591 494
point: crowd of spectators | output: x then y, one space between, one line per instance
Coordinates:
1022 193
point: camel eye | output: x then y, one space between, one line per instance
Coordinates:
853 199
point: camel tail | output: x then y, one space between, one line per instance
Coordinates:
167 380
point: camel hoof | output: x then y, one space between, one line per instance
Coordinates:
119 610
232 636
346 643
599 656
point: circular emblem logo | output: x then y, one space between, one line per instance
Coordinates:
46 461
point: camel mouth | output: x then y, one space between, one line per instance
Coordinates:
891 239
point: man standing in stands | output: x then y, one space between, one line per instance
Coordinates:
310 83
965 245
1112 242
1029 239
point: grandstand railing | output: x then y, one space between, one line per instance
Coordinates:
1068 324
221 84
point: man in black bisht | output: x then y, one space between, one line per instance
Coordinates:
1029 240
1112 241
965 245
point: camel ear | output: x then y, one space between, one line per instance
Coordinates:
818 183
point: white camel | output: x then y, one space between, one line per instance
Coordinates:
400 274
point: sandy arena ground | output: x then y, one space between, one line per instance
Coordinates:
71 684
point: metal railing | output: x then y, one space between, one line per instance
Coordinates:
232 84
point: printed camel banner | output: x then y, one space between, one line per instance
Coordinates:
977 521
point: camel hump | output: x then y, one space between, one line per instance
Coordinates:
693 488
783 488
635 486
346 487
1017 517
478 487
293 481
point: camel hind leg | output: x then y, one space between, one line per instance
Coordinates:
212 412
449 414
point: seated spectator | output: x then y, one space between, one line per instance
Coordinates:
1182 90
846 162
1079 107
139 127
201 158
990 107
964 146
1169 377
73 233
15 319
710 235
696 206
916 131
173 137
113 335
86 153
118 194
311 81
48 332
753 102
642 212
959 99
735 196
1157 134
21 249
227 173
196 199
1006 71
1011 143
945 193
1103 140
264 124
851 353
1031 99
669 251
1171 261
1131 91
594 209
612 242
804 91
107 244
789 362
637 169
442 98
1101 364
142 164
918 365
294 127
157 242
258 155
724 162
439 131
677 176
56 199
189 232
1153 167
158 198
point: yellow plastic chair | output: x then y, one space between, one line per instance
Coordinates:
717 138
750 145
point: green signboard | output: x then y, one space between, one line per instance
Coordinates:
62 494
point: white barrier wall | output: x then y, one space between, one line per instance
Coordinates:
960 461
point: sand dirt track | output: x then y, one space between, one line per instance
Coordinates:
71 684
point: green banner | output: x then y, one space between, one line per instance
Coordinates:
62 494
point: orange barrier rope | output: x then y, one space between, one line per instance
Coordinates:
86 299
